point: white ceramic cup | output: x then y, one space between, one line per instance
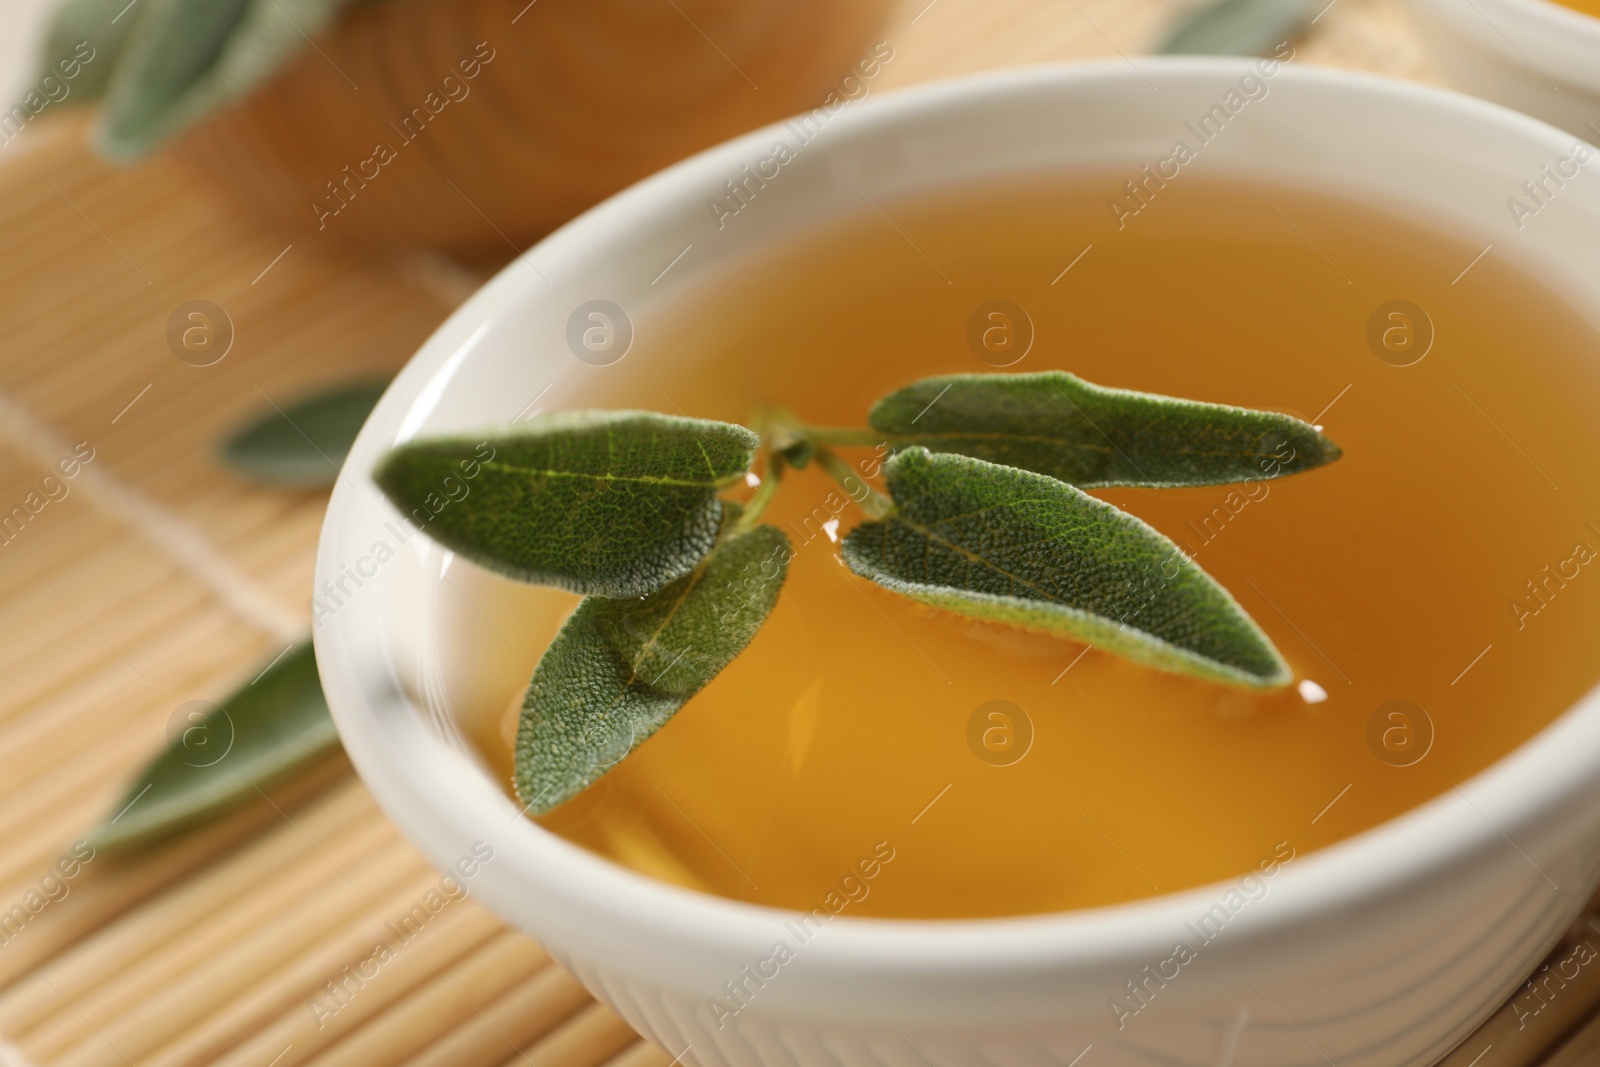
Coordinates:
1386 949
1532 55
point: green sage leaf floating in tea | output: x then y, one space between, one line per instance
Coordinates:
262 733
303 445
1090 436
1022 548
160 65
619 669
1239 27
610 503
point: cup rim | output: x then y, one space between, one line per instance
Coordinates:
440 799
1553 14
1561 41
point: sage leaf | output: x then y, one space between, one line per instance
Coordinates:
619 669
1090 436
85 36
610 503
1016 547
183 59
303 445
1239 27
264 732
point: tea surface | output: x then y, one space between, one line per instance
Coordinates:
1445 563
1588 7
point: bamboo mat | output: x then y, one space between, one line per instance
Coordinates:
160 579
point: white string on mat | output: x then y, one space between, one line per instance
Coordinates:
183 543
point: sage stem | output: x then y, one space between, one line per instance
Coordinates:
841 436
763 495
868 499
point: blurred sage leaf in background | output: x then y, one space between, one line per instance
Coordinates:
302 445
263 733
619 669
609 503
1239 27
1091 436
1021 548
160 65
97 23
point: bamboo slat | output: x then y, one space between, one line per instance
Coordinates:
289 987
514 1021
453 934
232 966
444 1002
192 955
589 1038
160 920
112 890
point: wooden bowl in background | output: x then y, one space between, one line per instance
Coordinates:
470 126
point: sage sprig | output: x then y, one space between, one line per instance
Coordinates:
985 515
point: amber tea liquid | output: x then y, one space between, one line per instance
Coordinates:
1588 7
1445 563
